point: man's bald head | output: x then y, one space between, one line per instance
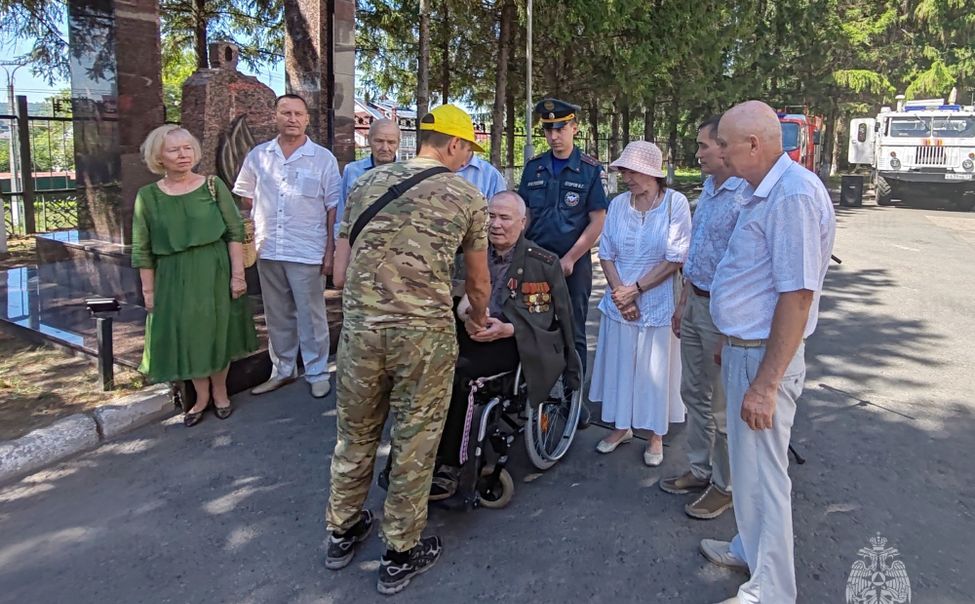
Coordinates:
751 140
383 140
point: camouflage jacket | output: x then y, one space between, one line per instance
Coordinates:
401 265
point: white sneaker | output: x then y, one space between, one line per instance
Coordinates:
604 446
731 600
270 385
719 552
321 389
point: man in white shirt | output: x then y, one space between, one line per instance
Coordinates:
383 147
765 300
293 186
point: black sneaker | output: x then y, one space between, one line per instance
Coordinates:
395 575
342 548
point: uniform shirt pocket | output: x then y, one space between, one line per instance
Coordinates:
572 196
309 183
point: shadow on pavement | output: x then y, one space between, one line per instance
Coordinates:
232 511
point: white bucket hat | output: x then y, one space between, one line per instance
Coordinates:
643 157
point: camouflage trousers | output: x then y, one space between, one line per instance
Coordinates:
408 372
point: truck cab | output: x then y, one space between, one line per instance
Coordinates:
801 138
924 148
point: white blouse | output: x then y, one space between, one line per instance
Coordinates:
637 241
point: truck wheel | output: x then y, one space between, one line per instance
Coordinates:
884 192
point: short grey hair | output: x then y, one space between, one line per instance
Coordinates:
513 196
377 124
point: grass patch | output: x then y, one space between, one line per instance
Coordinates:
40 384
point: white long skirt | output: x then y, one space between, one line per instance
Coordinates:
636 376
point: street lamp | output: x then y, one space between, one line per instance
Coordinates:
14 149
12 102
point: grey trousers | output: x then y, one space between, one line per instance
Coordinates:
703 394
294 310
763 489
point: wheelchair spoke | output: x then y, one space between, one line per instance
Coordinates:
551 424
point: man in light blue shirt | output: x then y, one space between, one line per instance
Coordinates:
383 146
701 388
484 176
764 300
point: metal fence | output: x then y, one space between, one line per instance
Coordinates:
37 171
52 211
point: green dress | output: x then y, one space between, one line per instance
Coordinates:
195 328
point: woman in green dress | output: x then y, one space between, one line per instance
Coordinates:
186 243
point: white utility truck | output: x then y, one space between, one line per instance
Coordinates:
925 149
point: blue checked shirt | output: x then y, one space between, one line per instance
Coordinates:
714 220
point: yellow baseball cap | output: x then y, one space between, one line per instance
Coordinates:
452 121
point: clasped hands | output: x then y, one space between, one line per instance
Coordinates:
491 330
624 297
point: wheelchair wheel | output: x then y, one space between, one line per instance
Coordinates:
551 425
498 495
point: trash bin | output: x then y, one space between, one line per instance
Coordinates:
851 190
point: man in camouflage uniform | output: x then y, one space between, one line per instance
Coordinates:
398 345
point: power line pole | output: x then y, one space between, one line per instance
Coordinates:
529 107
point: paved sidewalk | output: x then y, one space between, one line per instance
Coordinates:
232 511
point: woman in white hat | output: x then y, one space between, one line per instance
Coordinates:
636 374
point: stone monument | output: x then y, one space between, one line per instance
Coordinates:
214 98
319 56
116 97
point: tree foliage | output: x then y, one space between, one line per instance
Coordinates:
656 67
256 26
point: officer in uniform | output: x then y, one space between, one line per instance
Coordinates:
567 204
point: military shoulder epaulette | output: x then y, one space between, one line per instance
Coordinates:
592 161
542 254
539 156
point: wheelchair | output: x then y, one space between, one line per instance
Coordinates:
498 413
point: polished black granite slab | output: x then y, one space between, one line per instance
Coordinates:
45 304
53 312
84 266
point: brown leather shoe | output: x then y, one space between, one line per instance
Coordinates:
685 483
711 504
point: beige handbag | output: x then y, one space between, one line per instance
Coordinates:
249 249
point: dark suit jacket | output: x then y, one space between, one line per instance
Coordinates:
543 325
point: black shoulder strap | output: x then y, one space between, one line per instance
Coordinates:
393 192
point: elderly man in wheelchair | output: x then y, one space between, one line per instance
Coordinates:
520 374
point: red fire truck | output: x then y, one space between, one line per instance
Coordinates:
802 136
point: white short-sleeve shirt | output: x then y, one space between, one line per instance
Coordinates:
291 199
782 243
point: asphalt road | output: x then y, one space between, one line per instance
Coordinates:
232 511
